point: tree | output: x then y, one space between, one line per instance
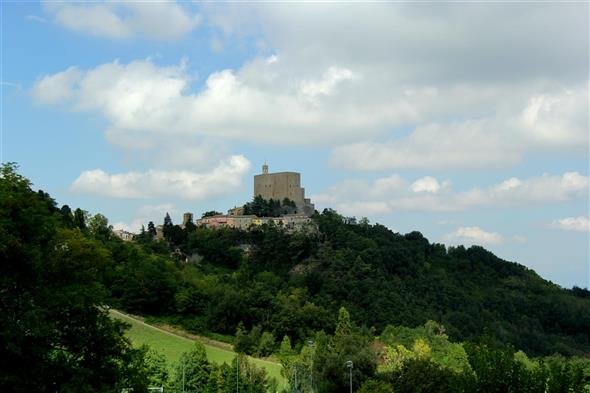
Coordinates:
167 227
424 376
332 353
151 229
343 326
157 369
192 370
98 225
80 218
242 341
56 334
266 344
67 215
211 213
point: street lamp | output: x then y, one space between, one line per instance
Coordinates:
350 366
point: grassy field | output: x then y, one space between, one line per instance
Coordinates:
172 345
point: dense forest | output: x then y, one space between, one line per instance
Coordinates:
294 283
395 305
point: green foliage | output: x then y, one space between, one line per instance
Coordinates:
332 353
376 386
80 219
99 227
192 370
60 268
266 344
151 229
67 216
441 350
269 208
256 342
421 375
157 369
56 335
211 213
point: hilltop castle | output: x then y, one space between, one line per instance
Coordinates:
276 186
283 185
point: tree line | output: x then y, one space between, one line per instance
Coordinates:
270 292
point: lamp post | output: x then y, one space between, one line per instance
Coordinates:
350 366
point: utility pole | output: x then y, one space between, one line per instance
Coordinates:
350 365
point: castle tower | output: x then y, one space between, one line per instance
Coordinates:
281 185
186 218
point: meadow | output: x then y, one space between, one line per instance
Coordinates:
172 345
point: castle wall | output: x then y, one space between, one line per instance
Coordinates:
280 186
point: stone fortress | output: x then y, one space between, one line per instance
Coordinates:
277 186
283 185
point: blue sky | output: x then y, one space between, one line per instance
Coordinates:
467 122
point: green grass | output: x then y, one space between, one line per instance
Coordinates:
172 345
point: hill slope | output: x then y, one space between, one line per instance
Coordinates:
293 284
172 345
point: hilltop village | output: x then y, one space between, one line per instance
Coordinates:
281 190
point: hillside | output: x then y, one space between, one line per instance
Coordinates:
314 299
293 284
172 345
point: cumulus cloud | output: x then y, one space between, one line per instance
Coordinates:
261 103
327 84
426 184
223 179
245 106
559 119
57 88
449 42
580 223
472 236
383 95
124 19
358 197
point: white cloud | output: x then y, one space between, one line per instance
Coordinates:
57 88
580 223
429 194
327 84
247 105
560 118
438 73
35 18
382 95
426 184
223 179
416 41
472 235
119 19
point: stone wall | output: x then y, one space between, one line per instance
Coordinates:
279 186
